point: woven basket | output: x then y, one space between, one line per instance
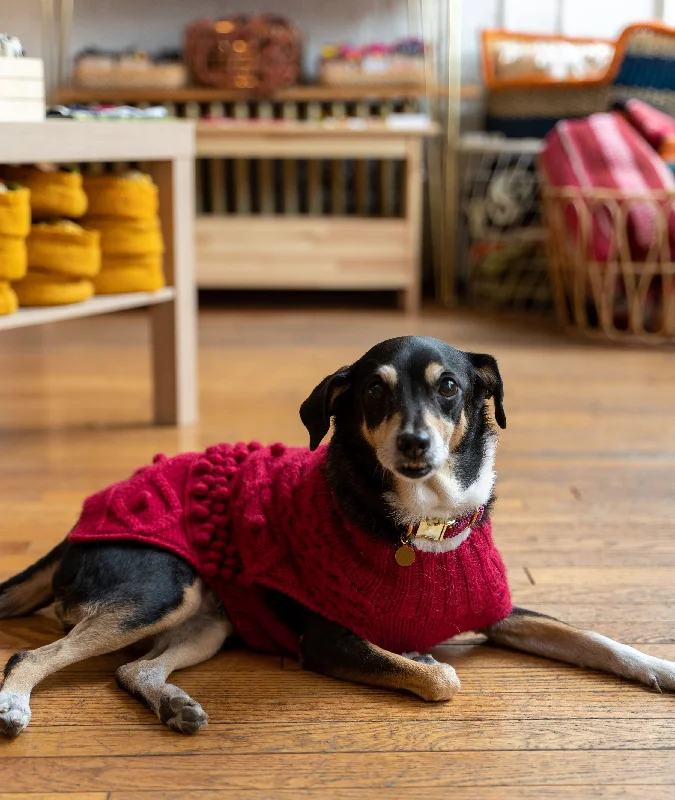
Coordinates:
64 250
260 53
52 194
13 258
15 212
8 299
47 289
134 197
604 285
127 237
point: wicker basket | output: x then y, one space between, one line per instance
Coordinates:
260 53
502 262
605 284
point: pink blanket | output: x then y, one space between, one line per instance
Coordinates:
604 151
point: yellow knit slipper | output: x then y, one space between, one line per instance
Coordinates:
13 258
14 211
52 194
127 237
8 299
44 289
139 274
64 248
131 196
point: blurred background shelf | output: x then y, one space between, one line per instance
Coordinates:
106 304
296 94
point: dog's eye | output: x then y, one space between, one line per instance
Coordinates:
447 387
376 392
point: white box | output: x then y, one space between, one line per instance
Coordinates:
22 90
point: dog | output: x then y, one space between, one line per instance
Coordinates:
389 515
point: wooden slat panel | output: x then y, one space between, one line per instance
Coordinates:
216 168
242 180
361 175
302 252
386 175
291 203
265 168
337 171
314 190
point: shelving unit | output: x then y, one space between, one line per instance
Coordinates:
166 150
314 252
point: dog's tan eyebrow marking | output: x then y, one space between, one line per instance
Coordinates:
433 372
388 375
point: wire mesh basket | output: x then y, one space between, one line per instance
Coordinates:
612 261
502 253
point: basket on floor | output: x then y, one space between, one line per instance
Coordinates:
502 262
609 282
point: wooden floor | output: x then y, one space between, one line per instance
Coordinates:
585 520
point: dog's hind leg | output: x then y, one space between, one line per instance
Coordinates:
97 630
190 643
546 636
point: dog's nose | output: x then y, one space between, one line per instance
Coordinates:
413 445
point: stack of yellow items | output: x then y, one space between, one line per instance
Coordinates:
124 210
63 257
14 228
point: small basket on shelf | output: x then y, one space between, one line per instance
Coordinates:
612 262
260 53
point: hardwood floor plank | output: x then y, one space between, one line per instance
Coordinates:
455 736
53 796
110 706
534 792
348 770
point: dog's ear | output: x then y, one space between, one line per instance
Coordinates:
490 381
319 407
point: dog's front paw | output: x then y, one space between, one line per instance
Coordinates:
180 712
659 674
15 713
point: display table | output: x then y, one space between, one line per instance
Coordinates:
167 152
266 251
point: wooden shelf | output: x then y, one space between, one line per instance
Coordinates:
66 141
297 94
289 139
104 304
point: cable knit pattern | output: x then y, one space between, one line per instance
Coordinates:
250 518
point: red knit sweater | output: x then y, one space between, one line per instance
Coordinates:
249 518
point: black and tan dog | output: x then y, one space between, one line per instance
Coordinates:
414 440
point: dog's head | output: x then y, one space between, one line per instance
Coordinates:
420 407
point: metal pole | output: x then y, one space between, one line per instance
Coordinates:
47 41
451 172
65 32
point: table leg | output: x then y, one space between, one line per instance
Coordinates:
174 325
413 215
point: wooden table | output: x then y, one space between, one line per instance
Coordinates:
167 152
314 252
